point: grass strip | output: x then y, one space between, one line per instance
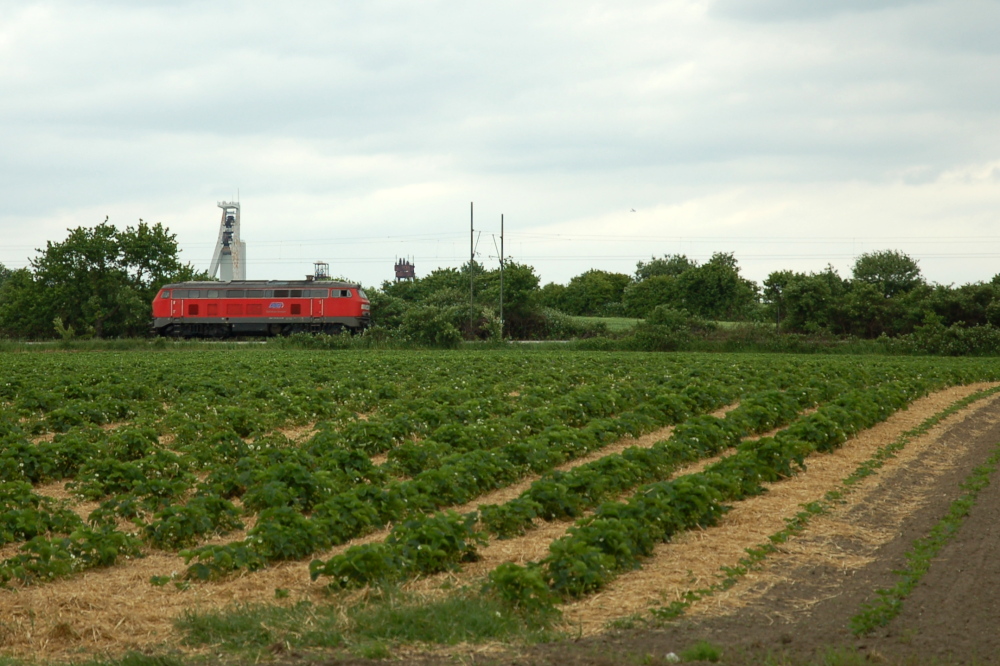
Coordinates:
918 560
371 628
798 523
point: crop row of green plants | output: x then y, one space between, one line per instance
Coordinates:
328 520
450 538
178 448
619 535
459 479
216 408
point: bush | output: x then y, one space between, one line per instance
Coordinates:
523 588
432 326
666 329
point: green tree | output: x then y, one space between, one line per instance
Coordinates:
98 280
448 290
590 293
804 303
640 298
670 265
552 295
21 313
967 304
890 271
716 290
520 295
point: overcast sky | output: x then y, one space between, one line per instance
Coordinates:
794 133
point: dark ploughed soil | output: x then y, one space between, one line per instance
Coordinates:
952 617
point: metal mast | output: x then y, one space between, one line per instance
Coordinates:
229 258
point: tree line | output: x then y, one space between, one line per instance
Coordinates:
100 282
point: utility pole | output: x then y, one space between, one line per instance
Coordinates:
501 275
472 263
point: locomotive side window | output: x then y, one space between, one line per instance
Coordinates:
362 294
318 293
234 293
213 293
341 293
255 293
281 293
295 293
194 293
165 294
269 293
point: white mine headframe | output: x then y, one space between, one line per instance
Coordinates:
229 258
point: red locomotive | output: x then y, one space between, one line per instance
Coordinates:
254 307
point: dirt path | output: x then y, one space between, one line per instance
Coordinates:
796 607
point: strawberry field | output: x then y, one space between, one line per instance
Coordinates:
382 468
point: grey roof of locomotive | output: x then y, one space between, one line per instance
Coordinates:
263 284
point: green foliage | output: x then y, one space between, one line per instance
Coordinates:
509 520
641 298
523 588
716 290
890 271
25 515
423 545
619 535
282 533
666 329
256 627
702 651
370 628
432 326
806 303
99 279
485 420
590 293
217 561
669 265
43 558
177 527
375 563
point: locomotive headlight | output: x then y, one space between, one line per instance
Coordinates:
366 306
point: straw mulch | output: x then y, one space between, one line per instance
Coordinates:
534 545
117 609
694 559
646 441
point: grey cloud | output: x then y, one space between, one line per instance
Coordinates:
797 10
580 103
